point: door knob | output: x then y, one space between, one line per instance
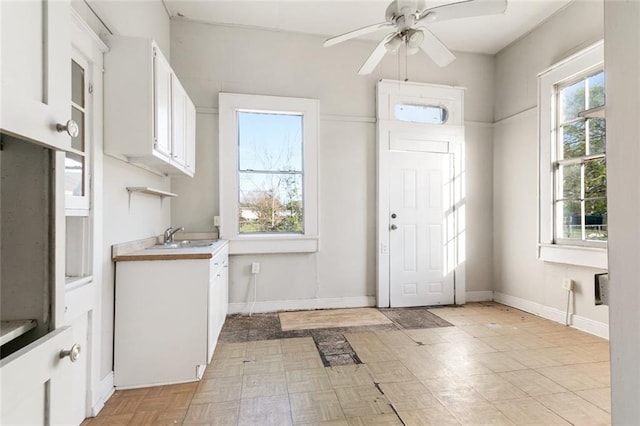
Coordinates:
71 127
393 216
73 353
393 227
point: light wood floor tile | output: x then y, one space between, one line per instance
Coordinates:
425 336
311 407
302 360
459 395
229 367
396 341
218 413
504 343
267 364
363 401
495 388
106 420
600 397
368 356
463 365
409 395
306 320
576 410
436 416
218 390
532 383
479 414
349 376
230 350
529 411
390 372
298 344
535 358
260 385
377 420
158 418
263 348
272 410
313 380
579 376
498 362
480 330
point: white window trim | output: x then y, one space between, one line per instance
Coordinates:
585 61
229 105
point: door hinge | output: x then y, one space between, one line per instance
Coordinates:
90 88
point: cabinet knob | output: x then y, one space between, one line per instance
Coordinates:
73 353
393 227
71 127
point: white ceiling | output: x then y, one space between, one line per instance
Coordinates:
487 34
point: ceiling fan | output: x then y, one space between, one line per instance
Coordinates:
408 20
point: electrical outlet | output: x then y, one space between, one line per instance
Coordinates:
216 221
255 268
567 284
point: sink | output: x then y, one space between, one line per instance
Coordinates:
185 244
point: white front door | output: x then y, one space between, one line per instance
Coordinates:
419 207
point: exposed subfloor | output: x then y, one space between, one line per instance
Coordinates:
483 363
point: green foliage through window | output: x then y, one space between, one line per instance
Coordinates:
581 173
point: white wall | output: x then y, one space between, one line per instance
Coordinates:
209 59
141 216
622 65
517 272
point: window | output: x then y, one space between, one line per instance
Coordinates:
572 161
580 169
427 114
268 173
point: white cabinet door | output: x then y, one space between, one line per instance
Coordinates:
179 116
35 382
35 71
162 103
191 137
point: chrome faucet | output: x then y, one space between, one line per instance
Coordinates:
169 232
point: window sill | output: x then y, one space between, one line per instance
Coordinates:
590 257
272 244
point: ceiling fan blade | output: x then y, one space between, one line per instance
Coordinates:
376 56
437 51
463 9
357 33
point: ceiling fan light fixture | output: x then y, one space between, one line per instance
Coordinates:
414 39
394 44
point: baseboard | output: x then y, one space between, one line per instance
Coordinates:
105 390
479 296
303 304
584 324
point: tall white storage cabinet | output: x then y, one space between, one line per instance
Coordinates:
169 314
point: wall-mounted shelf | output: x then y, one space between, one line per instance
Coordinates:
151 191
10 330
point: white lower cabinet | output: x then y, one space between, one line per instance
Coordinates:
169 314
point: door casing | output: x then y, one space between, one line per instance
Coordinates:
440 138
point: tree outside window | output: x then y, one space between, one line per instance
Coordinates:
581 178
270 174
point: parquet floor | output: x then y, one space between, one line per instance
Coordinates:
496 365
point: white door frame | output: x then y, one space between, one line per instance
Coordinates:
447 137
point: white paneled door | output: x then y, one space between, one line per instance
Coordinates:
420 214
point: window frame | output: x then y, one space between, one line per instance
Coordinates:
583 253
248 243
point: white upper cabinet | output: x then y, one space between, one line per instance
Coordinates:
35 71
146 108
